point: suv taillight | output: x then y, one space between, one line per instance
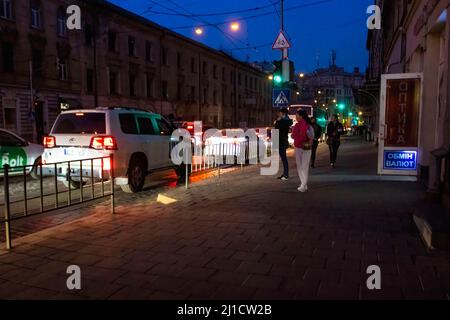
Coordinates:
49 142
103 142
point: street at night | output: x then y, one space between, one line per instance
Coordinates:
232 159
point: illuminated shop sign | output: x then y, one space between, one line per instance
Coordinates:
400 160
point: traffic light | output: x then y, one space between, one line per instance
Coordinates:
278 74
341 106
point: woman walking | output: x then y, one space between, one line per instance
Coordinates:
334 131
303 135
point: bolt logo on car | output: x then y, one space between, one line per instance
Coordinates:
13 156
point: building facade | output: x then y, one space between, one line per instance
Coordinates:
117 58
327 88
414 38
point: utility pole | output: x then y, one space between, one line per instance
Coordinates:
95 27
32 114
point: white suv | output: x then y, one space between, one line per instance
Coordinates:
139 140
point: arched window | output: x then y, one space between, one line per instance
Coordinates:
61 29
35 12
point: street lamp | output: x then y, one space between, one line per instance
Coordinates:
270 77
301 75
235 26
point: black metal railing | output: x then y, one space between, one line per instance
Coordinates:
76 175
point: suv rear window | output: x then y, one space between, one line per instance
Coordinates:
81 122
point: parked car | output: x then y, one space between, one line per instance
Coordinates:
17 153
139 140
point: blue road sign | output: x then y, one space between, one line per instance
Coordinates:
400 160
281 98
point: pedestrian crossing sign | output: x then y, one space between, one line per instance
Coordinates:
281 98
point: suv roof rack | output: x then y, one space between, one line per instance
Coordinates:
124 108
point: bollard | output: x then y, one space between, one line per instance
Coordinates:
111 173
7 206
186 177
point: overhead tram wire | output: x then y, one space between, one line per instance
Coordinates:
254 16
230 38
212 14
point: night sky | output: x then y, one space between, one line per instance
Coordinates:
315 28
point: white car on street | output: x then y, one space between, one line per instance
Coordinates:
140 142
19 154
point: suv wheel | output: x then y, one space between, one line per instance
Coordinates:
136 176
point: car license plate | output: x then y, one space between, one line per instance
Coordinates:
73 152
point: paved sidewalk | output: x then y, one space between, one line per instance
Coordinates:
243 236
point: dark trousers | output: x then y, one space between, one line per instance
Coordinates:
334 147
314 151
284 160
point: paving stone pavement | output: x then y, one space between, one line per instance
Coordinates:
243 236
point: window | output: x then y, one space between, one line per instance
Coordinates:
37 62
112 41
61 29
149 86
35 14
205 68
131 46
192 65
7 57
62 69
89 80
88 35
239 78
214 71
165 56
165 90
113 82
179 60
128 123
145 126
224 78
91 122
132 81
10 116
163 127
148 51
5 9
215 97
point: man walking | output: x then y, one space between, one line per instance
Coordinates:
317 135
283 124
334 131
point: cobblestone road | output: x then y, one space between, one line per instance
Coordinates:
243 236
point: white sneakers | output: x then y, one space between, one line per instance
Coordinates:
302 188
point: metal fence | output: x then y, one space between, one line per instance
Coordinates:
215 156
85 181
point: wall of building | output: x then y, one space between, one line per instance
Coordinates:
164 82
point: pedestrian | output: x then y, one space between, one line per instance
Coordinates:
283 124
334 131
317 135
303 135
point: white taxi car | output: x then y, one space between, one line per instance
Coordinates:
140 142
19 154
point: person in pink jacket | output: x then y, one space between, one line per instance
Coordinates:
303 135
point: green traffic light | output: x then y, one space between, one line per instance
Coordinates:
342 106
277 79
351 114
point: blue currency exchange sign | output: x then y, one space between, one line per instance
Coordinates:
400 160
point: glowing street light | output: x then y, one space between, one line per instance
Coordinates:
235 26
198 31
270 77
360 113
298 93
334 101
301 75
